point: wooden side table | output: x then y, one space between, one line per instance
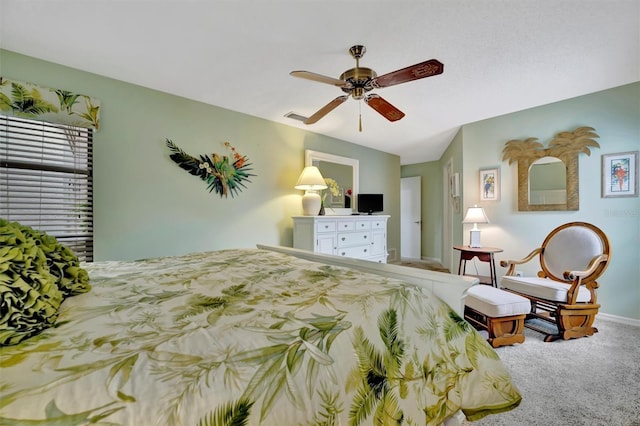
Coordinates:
484 254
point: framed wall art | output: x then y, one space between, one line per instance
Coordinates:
490 184
620 174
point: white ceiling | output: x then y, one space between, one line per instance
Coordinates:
500 56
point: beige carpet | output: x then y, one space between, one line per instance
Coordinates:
590 381
593 381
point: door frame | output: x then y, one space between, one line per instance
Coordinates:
447 215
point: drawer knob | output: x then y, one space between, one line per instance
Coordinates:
344 238
365 237
343 253
365 250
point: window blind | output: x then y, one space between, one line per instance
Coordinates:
46 180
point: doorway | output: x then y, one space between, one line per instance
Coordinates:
410 218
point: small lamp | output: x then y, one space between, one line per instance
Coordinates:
475 215
311 181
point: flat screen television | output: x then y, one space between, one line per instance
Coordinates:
370 203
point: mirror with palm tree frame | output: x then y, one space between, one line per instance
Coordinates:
533 193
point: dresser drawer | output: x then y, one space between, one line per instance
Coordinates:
346 239
326 226
379 224
346 225
362 225
358 252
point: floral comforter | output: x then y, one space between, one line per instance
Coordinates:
250 336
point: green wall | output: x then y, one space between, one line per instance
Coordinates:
146 206
451 224
615 115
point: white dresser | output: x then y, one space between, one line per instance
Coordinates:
359 236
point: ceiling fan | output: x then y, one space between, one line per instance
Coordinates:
358 81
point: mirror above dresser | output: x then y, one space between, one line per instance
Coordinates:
345 172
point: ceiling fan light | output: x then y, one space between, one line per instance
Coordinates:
357 93
357 51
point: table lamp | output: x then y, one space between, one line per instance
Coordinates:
311 181
475 215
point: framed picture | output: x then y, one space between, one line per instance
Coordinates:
490 184
620 174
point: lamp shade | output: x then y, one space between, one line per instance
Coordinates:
311 179
475 214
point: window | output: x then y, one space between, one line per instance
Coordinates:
46 180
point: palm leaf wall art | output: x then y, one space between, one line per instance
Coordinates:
226 176
563 144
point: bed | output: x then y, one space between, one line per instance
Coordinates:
269 336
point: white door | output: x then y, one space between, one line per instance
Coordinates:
410 217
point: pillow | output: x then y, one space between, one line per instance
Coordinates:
36 274
62 262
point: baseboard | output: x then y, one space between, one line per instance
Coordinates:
431 259
616 318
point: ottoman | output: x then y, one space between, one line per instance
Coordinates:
499 312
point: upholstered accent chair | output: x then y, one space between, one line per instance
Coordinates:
572 257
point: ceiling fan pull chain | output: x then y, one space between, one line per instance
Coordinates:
360 116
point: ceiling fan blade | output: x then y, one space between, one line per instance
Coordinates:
414 72
326 109
387 110
318 77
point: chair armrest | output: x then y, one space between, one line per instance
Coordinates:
593 265
576 277
512 263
